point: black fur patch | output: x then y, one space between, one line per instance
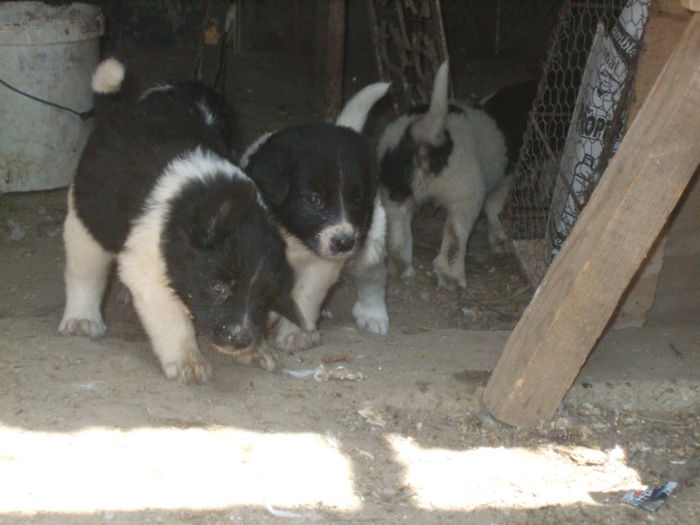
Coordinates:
224 256
509 107
302 171
132 144
439 156
397 166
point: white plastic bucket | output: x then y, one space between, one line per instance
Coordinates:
50 53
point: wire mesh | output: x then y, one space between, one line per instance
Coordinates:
555 177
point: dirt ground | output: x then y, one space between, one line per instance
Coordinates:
92 432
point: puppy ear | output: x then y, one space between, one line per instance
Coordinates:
431 127
285 306
269 168
354 114
215 218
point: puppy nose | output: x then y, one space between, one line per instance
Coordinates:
240 337
343 242
235 335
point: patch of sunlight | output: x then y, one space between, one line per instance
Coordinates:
510 477
165 468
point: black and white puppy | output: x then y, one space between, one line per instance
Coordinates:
453 155
192 240
320 183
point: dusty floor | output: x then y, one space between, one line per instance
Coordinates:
92 432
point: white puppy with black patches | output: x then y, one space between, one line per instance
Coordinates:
320 183
453 155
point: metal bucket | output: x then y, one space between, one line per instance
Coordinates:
49 53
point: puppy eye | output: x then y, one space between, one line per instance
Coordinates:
315 199
219 288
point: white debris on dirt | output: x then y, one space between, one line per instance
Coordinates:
322 374
17 232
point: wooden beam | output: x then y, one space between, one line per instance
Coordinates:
329 56
693 5
611 238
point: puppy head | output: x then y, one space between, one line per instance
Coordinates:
319 182
226 261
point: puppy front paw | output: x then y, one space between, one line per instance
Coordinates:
374 318
296 341
192 368
449 276
262 357
91 327
498 241
398 266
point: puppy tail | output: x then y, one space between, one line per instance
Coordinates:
355 112
108 77
430 127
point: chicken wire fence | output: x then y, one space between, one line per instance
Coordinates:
586 81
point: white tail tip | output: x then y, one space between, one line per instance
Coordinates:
108 76
355 112
431 126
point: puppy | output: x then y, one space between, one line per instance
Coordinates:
454 155
191 238
320 183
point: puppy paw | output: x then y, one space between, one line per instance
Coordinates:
448 277
449 282
373 318
408 273
498 241
262 357
193 368
91 327
295 341
397 266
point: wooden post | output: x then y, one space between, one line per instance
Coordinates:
330 47
628 209
210 64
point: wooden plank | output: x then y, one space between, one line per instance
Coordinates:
628 209
693 5
329 56
662 32
639 297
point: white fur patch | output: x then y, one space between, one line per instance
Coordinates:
253 148
156 89
108 76
209 118
326 236
195 165
313 277
86 273
368 271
